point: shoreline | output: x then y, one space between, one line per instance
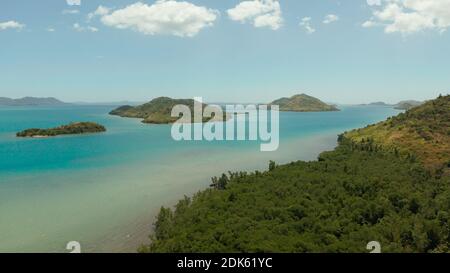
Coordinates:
145 227
111 207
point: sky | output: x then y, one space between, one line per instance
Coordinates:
356 51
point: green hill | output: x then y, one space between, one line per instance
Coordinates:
71 129
157 111
303 103
422 132
353 195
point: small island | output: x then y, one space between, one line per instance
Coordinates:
75 128
158 111
303 103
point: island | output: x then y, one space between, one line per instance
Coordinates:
378 103
303 103
31 101
158 111
389 182
71 129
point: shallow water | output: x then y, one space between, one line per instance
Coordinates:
104 190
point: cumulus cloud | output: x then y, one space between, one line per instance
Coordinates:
11 25
261 13
306 24
330 18
165 17
73 2
410 16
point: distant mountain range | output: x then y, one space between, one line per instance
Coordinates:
403 105
30 101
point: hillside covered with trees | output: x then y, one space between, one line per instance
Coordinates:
422 132
359 192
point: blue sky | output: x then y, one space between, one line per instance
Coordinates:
374 50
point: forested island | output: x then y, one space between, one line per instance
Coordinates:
388 182
71 129
158 111
303 103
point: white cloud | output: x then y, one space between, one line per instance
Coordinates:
369 23
73 2
169 17
70 11
306 24
80 28
410 16
100 11
50 29
330 18
262 13
11 25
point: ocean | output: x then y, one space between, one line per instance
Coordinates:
104 190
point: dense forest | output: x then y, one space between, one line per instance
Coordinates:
360 192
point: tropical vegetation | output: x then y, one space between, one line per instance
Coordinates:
372 187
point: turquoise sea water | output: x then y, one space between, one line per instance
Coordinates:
104 190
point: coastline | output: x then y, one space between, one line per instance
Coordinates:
115 184
144 226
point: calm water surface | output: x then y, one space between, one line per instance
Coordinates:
104 190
